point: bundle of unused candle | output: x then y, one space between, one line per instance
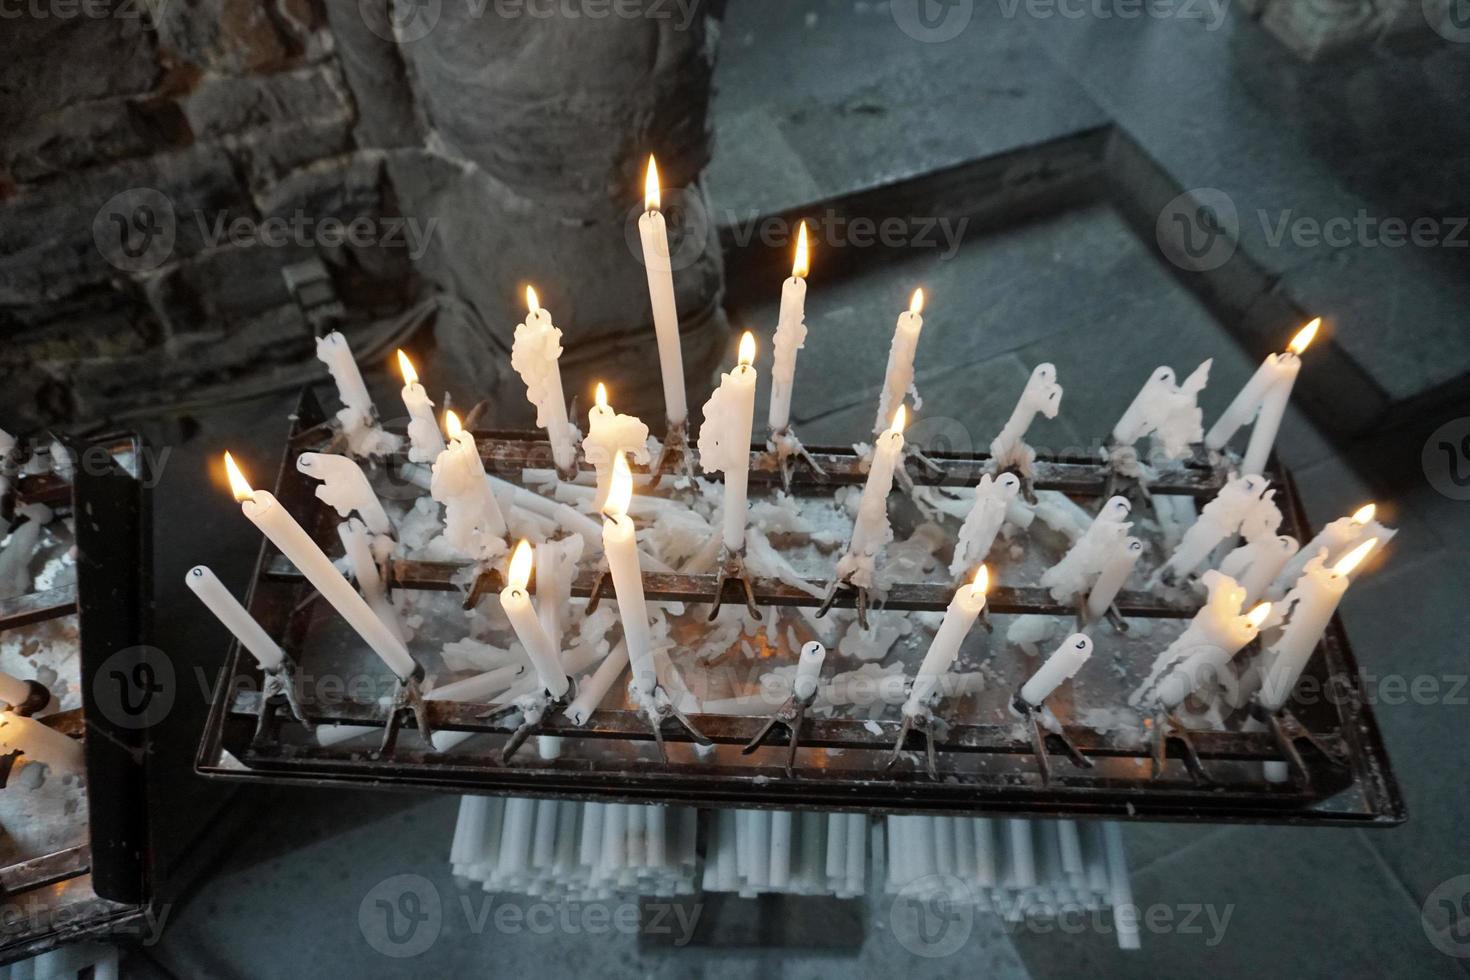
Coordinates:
563 849
753 852
1018 869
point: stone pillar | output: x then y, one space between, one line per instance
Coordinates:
537 120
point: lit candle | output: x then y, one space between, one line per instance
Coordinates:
608 434
473 523
228 610
345 487
871 530
620 546
527 625
1207 660
963 610
1219 625
266 513
993 497
654 235
724 439
1264 397
1313 601
808 670
535 354
899 377
1062 665
39 742
1042 395
1336 538
790 336
1115 572
425 442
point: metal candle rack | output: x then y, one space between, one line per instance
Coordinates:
984 767
100 887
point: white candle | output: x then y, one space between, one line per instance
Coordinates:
621 548
871 530
1114 574
593 689
963 610
1264 398
236 618
993 498
535 354
13 690
1336 538
1219 625
345 487
39 742
357 405
808 670
527 625
1273 410
425 442
654 236
899 376
1313 601
266 513
608 434
724 439
357 544
1063 664
1084 562
1042 395
473 523
1207 659
1218 520
790 336
1267 557
1147 406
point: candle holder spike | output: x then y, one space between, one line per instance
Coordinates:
921 721
663 711
1287 730
785 446
409 699
1032 714
674 453
789 716
277 690
861 603
732 567
535 710
1165 727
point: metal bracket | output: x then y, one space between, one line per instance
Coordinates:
732 566
1032 715
661 713
409 699
784 445
673 453
279 688
789 716
1166 727
550 703
922 722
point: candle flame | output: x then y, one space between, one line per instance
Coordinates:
601 396
239 486
410 376
1354 558
452 425
802 265
1304 337
1258 615
916 303
747 349
533 302
651 199
1364 514
620 491
900 419
519 572
981 583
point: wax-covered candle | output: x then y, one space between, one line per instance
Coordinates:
654 237
963 610
608 434
473 522
1042 395
1062 665
1263 398
1115 571
898 378
425 442
535 354
620 545
808 670
993 498
724 439
345 488
790 335
527 624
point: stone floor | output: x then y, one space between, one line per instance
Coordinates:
815 99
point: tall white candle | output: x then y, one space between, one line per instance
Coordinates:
1218 520
790 336
236 618
1313 601
1115 572
1042 395
266 513
871 530
609 433
1063 664
332 350
1206 660
1264 395
808 670
527 625
963 610
425 442
1336 538
535 354
654 236
345 487
1273 410
1268 557
724 439
898 378
473 523
357 544
993 498
620 546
